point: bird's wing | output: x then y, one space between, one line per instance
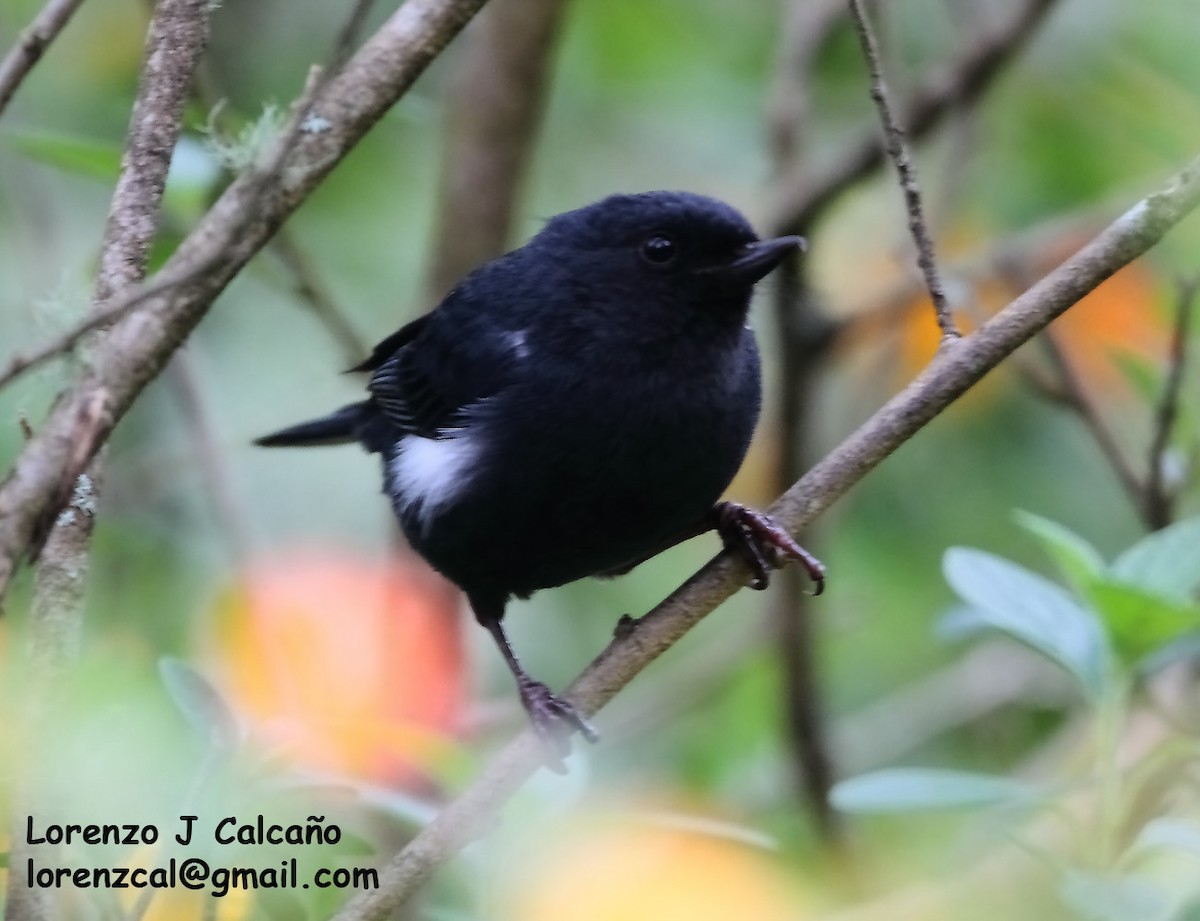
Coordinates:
391 345
432 373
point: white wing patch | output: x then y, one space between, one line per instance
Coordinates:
427 473
517 343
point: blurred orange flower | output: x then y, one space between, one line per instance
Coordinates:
1119 317
351 666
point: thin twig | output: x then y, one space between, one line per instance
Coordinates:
807 334
950 375
306 280
348 36
1159 497
1074 395
312 291
32 44
899 153
117 307
803 196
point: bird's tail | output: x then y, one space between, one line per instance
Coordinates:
340 427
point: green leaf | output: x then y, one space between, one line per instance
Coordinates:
1077 559
924 789
1095 897
201 704
1166 562
1035 611
82 156
1140 622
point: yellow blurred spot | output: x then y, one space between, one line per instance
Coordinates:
636 872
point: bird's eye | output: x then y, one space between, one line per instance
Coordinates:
659 250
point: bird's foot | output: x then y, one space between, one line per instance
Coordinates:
625 626
764 544
554 719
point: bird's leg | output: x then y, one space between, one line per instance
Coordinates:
761 542
552 717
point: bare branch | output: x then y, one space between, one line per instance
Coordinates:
1159 497
494 114
1071 393
898 152
953 371
175 40
806 334
310 289
32 44
235 228
306 281
113 310
808 192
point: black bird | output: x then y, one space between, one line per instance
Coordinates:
573 408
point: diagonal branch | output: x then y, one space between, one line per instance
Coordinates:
238 225
1069 391
954 370
32 44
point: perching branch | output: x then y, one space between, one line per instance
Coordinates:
807 335
32 44
953 371
140 344
900 156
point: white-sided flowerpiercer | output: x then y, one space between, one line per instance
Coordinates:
573 408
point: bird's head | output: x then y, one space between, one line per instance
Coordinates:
681 256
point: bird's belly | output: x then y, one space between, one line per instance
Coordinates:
553 503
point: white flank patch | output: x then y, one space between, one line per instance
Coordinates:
430 472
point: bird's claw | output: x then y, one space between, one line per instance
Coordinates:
764 544
554 719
